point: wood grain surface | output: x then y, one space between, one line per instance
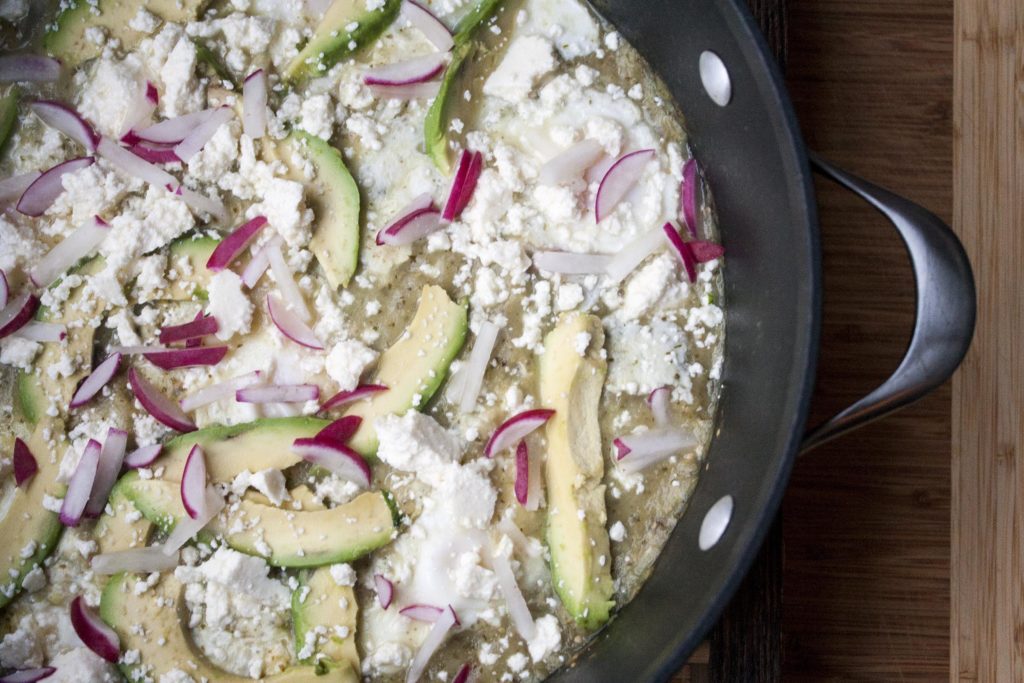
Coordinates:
987 634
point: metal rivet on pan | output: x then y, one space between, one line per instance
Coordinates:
716 520
715 78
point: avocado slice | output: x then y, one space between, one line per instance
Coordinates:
66 39
164 643
334 198
196 250
319 601
415 365
8 114
283 537
26 525
571 384
333 41
119 530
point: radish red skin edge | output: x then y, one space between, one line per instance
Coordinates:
233 245
682 250
516 428
159 406
688 196
522 483
463 675
193 482
28 675
26 309
96 635
25 465
704 251
345 397
341 430
96 380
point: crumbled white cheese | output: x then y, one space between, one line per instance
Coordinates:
229 304
527 59
617 532
347 362
343 574
547 639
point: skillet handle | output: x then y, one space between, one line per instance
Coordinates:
944 323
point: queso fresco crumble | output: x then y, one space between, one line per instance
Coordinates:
355 340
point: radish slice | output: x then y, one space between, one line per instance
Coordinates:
67 121
634 253
134 165
427 613
570 164
341 430
345 397
515 429
643 449
163 409
682 250
463 674
17 313
137 350
688 196
5 289
111 458
200 327
219 391
410 228
140 560
259 263
69 251
201 134
193 483
172 359
658 400
432 28
45 189
471 164
186 527
278 393
619 180
80 485
254 104
28 68
471 375
173 130
522 483
518 610
28 675
430 645
423 202
336 457
534 484
144 456
414 91
385 590
143 105
407 72
286 283
25 465
291 326
568 263
234 244
96 635
154 155
43 332
12 188
704 251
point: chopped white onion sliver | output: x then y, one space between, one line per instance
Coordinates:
407 72
433 29
12 188
568 263
42 332
518 610
28 68
259 262
186 527
200 202
219 391
634 253
570 164
286 283
111 458
648 448
174 130
474 369
201 134
68 252
430 645
140 560
254 104
413 91
134 165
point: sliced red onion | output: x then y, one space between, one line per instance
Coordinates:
286 283
518 610
619 180
5 289
291 326
463 674
515 429
278 393
143 105
17 313
569 263
173 130
28 675
658 400
201 134
163 409
185 528
144 456
430 645
67 121
111 458
138 350
28 68
407 72
422 203
432 28
415 91
69 251
341 430
96 635
200 202
134 165
345 397
154 155
12 188
634 253
427 613
80 485
45 189
411 227
259 262
254 104
336 457
138 560
234 244
570 164
193 483
385 590
200 327
643 449
682 250
25 465
172 359
467 174
522 482
43 332
688 196
220 391
471 375
704 251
